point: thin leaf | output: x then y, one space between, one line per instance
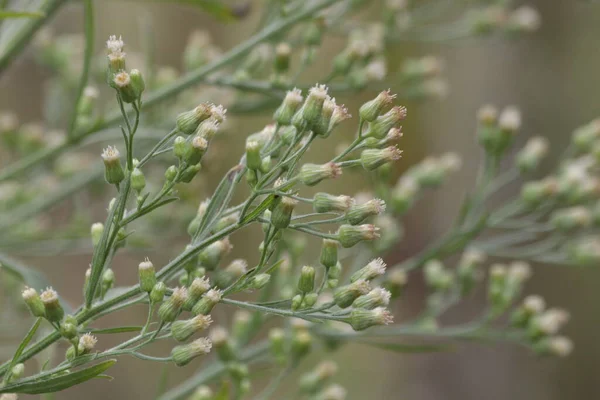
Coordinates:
410 348
60 382
266 203
6 14
120 329
22 347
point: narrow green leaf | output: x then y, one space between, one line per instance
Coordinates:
22 346
59 382
266 203
409 348
5 14
120 329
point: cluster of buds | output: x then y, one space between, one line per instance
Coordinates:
496 131
499 18
130 85
505 284
318 378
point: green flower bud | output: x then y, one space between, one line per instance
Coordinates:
122 83
196 150
556 346
208 129
97 230
297 302
239 372
116 63
212 255
258 282
311 111
287 134
570 219
321 128
283 52
333 275
372 270
138 180
113 171
206 303
34 302
197 288
531 307
282 214
87 342
535 193
340 114
372 159
383 123
147 276
585 136
290 105
277 344
404 194
329 253
359 212
496 137
313 381
325 202
306 283
180 147
253 159
108 280
190 172
311 174
437 277
137 81
395 282
467 270
310 299
202 393
377 297
301 344
241 323
53 310
158 293
188 121
342 63
16 372
373 108
183 330
350 235
182 355
170 309
265 164
222 343
68 328
361 319
548 323
344 296
529 158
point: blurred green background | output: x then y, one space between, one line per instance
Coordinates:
552 75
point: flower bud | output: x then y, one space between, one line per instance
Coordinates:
158 293
190 172
301 344
313 381
68 328
212 255
383 123
34 302
377 297
277 344
97 230
253 158
374 158
359 212
373 108
306 282
180 147
170 309
395 282
222 343
87 342
108 280
122 82
560 346
196 289
532 306
437 277
195 150
569 219
206 303
350 235
329 253
344 296
548 323
361 319
468 269
282 213
325 202
138 180
16 373
203 392
311 174
283 52
137 81
529 158
311 111
53 310
188 121
258 282
372 270
113 171
241 323
183 354
183 330
321 128
290 105
147 276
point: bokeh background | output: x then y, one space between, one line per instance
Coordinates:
551 75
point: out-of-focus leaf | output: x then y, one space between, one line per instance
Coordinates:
22 346
59 382
6 14
120 329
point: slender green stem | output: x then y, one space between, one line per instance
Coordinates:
281 312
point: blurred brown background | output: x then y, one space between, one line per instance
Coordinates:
551 75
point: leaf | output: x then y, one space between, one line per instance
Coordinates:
119 329
223 392
216 8
266 203
6 14
409 348
22 346
60 382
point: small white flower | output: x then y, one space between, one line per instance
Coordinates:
114 45
87 342
49 295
